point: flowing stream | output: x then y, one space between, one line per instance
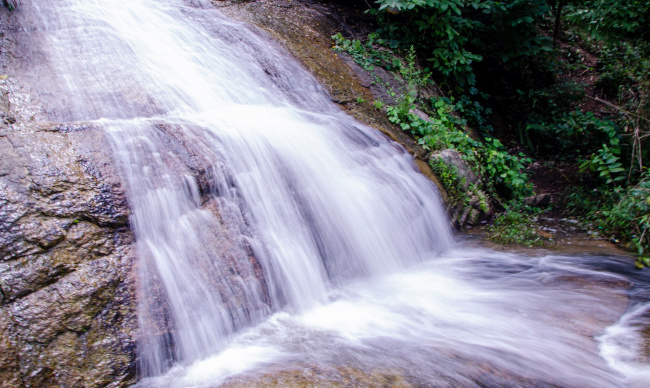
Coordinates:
276 234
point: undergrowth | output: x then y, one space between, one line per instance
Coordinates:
599 123
443 126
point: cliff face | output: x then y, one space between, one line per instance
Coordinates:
66 259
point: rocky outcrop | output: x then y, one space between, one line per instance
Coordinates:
540 200
66 284
467 202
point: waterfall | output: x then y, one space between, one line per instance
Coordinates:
276 234
298 196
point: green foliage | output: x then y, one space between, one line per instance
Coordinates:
503 171
440 23
443 128
459 191
550 116
606 165
506 170
613 18
450 180
623 214
621 32
473 113
631 218
623 66
570 134
368 54
625 79
516 226
547 102
490 159
455 34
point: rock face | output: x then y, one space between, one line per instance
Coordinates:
67 303
540 200
66 284
305 29
467 203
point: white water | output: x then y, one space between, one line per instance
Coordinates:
328 247
622 344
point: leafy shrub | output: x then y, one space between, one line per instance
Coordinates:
450 180
631 218
549 102
455 34
490 159
623 66
506 171
608 18
442 129
623 214
368 54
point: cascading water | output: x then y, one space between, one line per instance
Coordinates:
272 228
326 197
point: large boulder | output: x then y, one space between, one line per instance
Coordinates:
455 161
468 205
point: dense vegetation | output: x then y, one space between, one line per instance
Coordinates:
522 81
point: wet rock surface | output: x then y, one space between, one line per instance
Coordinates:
454 160
314 375
67 306
66 285
305 28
